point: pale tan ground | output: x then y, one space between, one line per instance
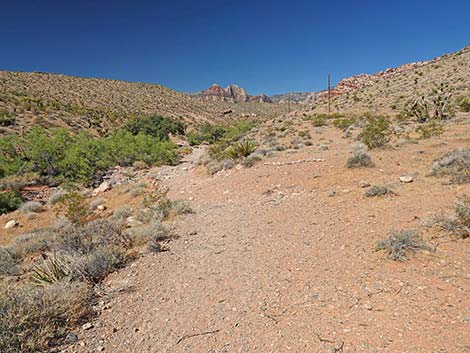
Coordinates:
272 262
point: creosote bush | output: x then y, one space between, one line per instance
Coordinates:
377 132
399 244
10 201
430 129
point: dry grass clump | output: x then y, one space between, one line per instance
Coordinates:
31 206
458 223
399 244
378 190
360 157
8 262
35 318
455 164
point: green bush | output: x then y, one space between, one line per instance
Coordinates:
208 133
6 119
155 126
377 132
465 105
211 133
61 156
430 129
10 201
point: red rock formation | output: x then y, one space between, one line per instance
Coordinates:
232 93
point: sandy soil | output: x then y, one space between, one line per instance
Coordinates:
282 259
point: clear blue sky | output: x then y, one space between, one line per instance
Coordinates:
264 46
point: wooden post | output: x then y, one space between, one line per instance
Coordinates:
329 93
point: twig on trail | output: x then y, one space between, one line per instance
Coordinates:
339 349
325 340
277 164
195 335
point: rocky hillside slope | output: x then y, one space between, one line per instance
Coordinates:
31 99
388 90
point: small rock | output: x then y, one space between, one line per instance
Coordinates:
101 208
364 184
100 348
11 224
133 222
406 178
105 186
70 338
87 326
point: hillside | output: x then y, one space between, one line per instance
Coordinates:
389 90
31 99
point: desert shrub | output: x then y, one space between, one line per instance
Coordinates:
122 213
399 244
360 157
455 164
377 132
56 196
95 266
85 238
211 133
378 190
31 206
10 201
155 126
97 202
239 129
251 160
61 156
430 129
152 235
6 119
8 262
35 318
35 242
320 120
75 209
343 123
458 223
207 133
465 105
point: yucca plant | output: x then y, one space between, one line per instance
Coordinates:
51 270
240 149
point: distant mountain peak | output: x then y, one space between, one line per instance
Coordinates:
232 93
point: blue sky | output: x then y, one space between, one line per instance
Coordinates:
263 46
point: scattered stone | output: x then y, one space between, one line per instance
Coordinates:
364 184
133 222
87 326
101 208
11 224
406 178
71 338
105 186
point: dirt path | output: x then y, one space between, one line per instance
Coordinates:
281 259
